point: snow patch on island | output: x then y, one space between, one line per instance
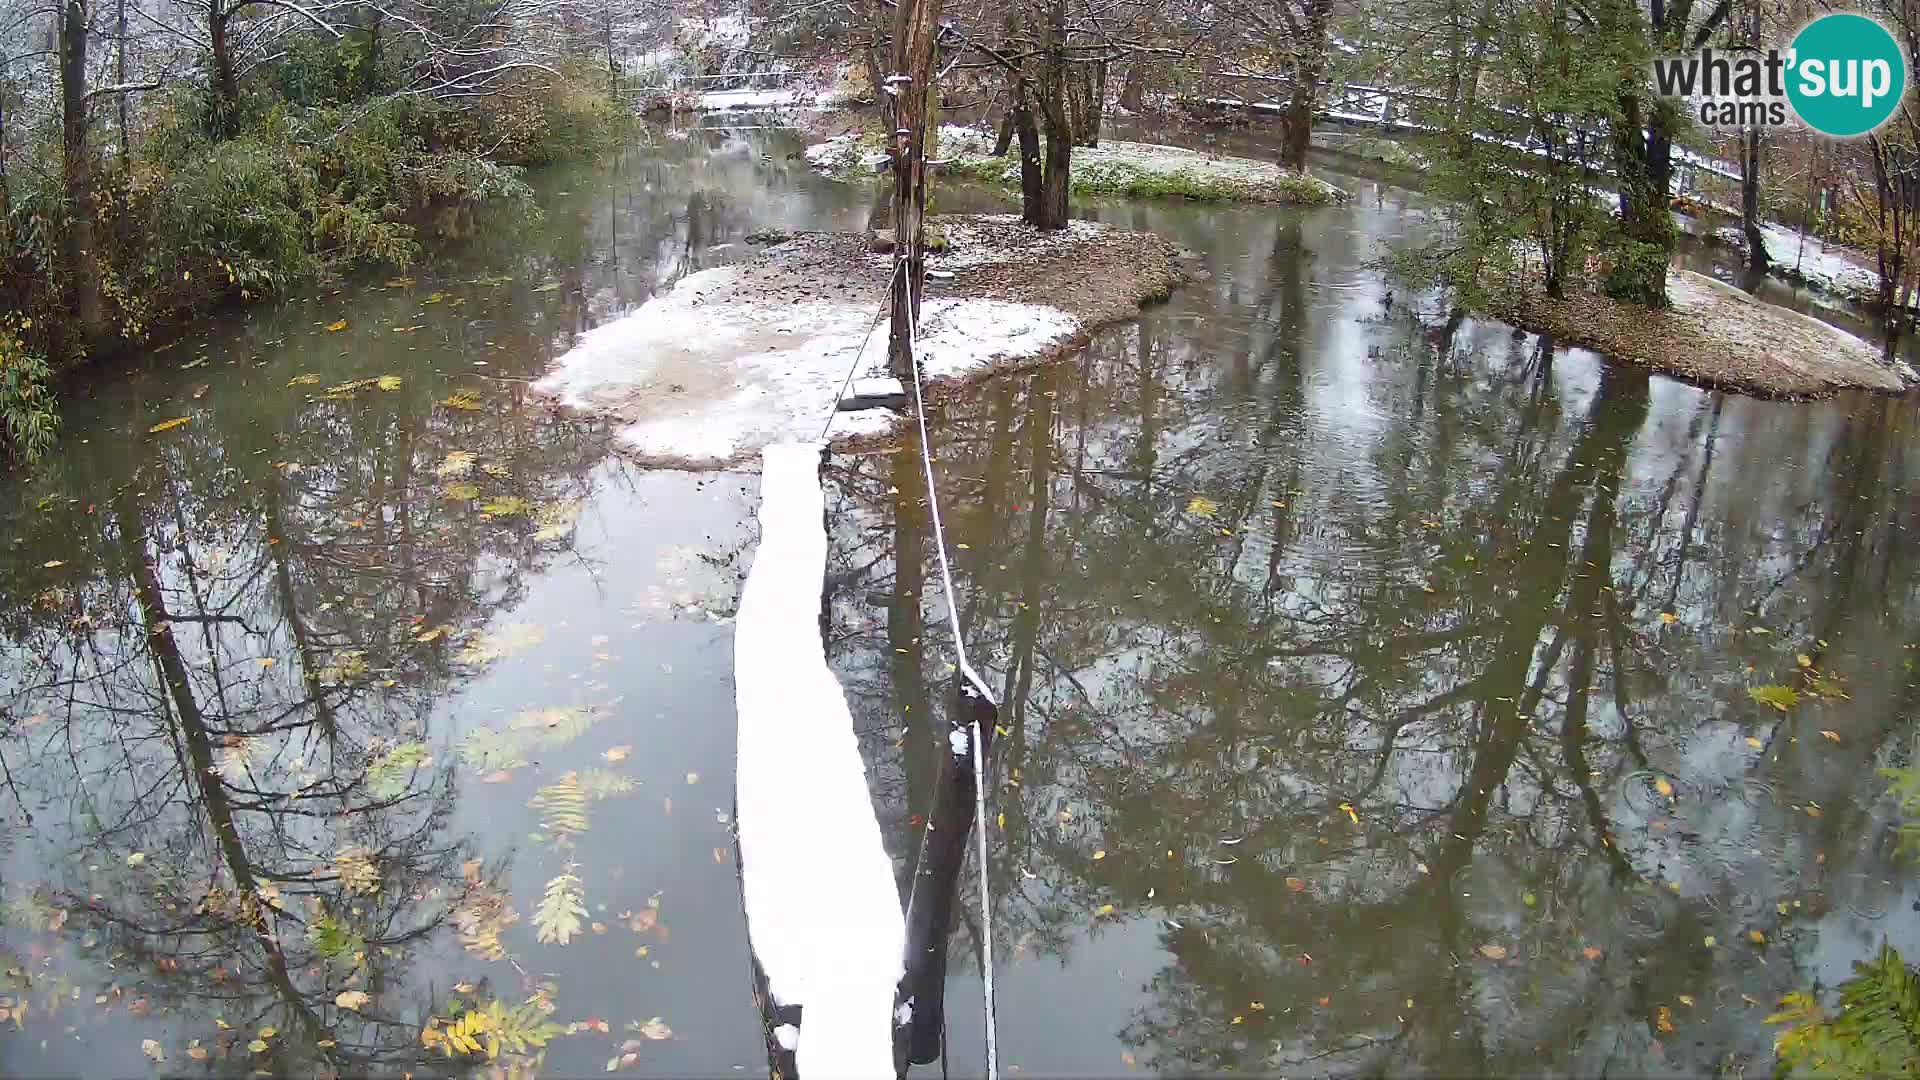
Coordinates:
823 914
703 377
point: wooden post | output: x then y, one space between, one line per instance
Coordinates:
915 30
936 880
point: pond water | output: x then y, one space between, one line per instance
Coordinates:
1378 697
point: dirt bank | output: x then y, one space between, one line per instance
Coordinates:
1714 335
740 356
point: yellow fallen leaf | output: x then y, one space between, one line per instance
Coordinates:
1829 735
169 425
136 858
1098 855
388 382
309 379
1102 910
617 753
1348 807
351 999
1494 952
1664 786
1669 618
1755 743
153 1049
53 564
1590 952
1201 506
1687 1000
1803 659
258 1046
1757 937
197 1053
268 1032
336 327
1664 1020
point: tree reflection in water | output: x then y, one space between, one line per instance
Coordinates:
1409 700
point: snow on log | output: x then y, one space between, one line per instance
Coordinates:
823 913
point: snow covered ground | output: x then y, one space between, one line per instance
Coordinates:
823 914
1112 167
703 377
1829 269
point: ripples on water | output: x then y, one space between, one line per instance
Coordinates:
1333 644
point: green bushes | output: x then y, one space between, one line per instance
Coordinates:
28 419
315 173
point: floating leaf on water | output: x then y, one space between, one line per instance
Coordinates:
153 1049
551 286
1803 660
503 642
1296 884
1755 743
336 326
1669 618
1830 735
356 870
1098 855
605 783
1103 910
556 726
463 491
456 463
619 753
137 858
169 425
1348 807
1757 937
1664 786
557 918
1780 697
481 917
1590 952
352 999
1664 1020
656 1029
1201 506
563 806
388 382
491 749
306 379
1494 952
258 1046
466 400
554 519
505 506
387 776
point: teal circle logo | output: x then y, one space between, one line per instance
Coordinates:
1846 75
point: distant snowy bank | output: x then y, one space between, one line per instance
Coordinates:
1112 168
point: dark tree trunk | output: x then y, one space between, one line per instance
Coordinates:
1051 212
916 25
1308 73
1643 157
1750 201
1133 90
1030 193
226 87
78 258
1086 87
1004 140
120 73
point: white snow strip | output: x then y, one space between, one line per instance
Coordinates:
878 387
746 99
823 914
704 383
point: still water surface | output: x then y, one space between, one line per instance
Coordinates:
1378 697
